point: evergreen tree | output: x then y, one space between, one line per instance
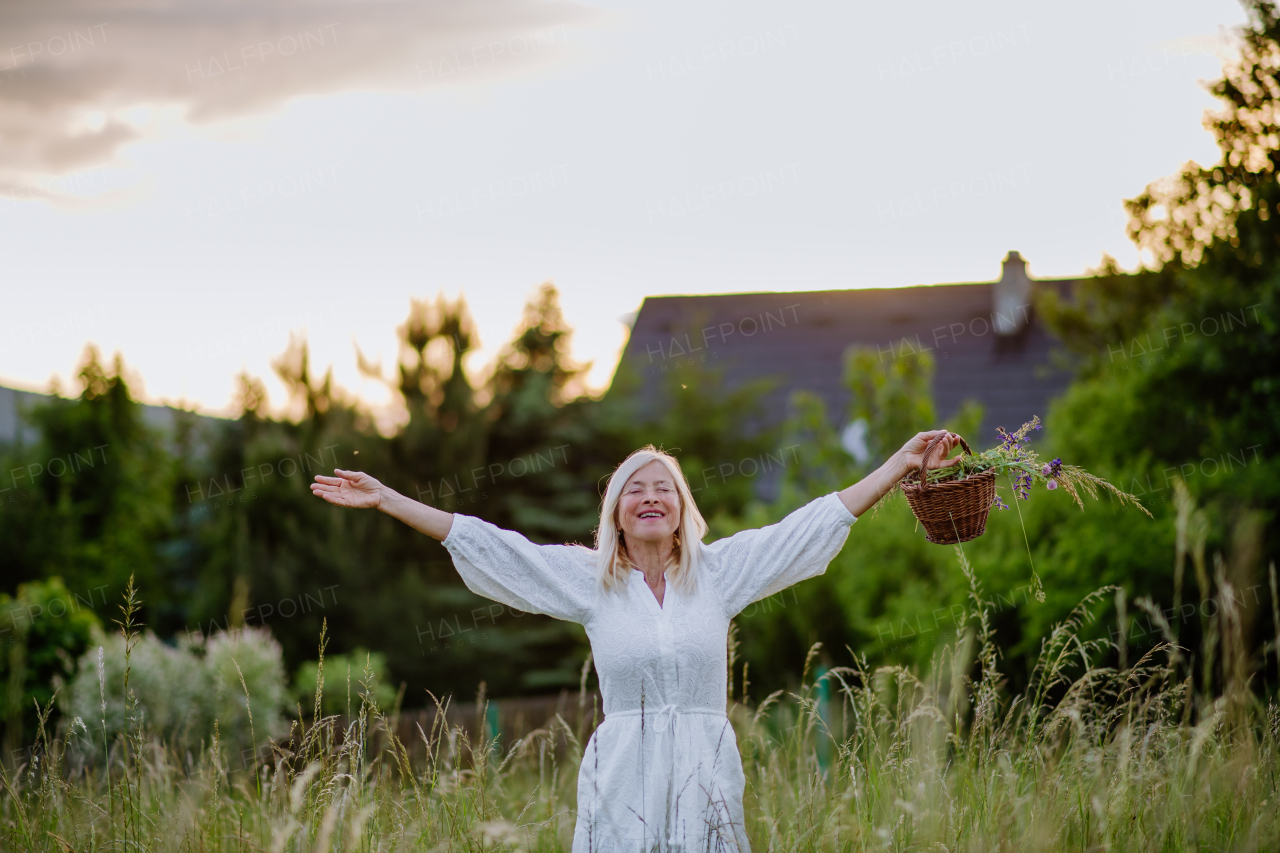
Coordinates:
94 492
1180 362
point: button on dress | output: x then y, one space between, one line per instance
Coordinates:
668 777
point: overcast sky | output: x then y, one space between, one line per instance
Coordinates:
188 183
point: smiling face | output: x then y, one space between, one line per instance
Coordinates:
649 507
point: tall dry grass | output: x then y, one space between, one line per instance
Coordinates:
1089 757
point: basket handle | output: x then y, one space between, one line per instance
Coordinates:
928 453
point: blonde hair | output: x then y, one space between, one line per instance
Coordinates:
614 563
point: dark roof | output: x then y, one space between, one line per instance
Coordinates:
801 338
14 427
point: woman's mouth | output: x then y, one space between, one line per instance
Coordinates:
652 513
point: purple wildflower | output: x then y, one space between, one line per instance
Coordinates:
1051 485
1022 485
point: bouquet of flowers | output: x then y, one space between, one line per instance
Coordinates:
953 503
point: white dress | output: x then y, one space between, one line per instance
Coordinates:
669 778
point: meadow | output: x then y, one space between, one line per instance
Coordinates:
1088 757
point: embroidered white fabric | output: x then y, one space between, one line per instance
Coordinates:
668 777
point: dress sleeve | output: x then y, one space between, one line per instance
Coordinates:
504 566
754 564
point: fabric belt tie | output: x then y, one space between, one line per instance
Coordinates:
666 715
664 723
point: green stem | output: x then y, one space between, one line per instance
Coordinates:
1035 578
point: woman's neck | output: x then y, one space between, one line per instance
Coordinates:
651 558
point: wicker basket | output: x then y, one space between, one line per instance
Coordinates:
953 510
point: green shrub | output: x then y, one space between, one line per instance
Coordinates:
42 631
341 671
181 690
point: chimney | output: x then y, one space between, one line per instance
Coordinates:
1011 296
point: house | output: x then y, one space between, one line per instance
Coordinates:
15 427
985 339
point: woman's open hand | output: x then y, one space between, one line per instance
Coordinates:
358 490
353 489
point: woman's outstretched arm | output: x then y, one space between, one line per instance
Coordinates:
558 580
358 490
862 495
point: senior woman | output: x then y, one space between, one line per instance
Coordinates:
662 771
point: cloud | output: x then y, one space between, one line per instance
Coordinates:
81 78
